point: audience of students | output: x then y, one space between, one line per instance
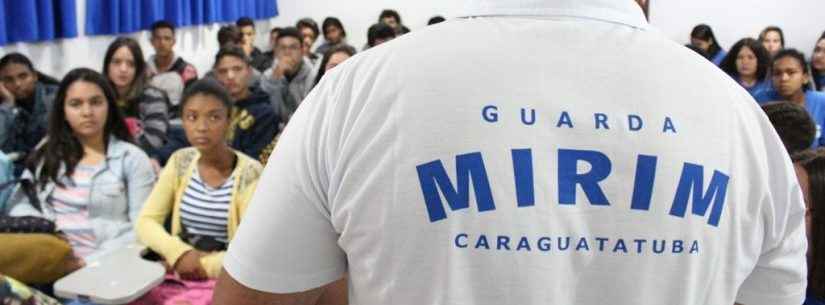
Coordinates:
74 138
791 82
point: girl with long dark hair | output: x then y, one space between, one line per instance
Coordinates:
88 177
146 108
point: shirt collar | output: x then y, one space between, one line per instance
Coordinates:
619 11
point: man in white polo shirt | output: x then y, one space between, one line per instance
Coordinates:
533 154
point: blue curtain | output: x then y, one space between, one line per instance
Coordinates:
106 17
35 20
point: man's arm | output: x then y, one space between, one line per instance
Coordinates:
229 291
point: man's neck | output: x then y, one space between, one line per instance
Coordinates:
798 98
747 80
242 96
163 63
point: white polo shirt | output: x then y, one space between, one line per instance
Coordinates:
551 152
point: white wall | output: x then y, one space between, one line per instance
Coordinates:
731 19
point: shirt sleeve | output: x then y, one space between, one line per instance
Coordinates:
286 242
780 274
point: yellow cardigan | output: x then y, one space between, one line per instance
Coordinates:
166 198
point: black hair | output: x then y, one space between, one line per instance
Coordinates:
814 165
435 20
229 34
210 87
275 30
136 88
62 149
244 22
704 32
16 58
793 124
389 13
799 57
763 59
308 23
332 21
162 24
379 31
231 50
697 50
289 32
772 28
336 49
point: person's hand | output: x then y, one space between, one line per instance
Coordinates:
73 263
286 65
5 95
155 165
189 266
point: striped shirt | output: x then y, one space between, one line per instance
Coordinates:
71 209
204 209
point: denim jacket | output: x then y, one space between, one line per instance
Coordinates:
118 191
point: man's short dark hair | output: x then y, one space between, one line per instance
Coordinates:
436 19
289 32
390 13
231 50
229 34
793 124
308 23
275 30
379 31
162 24
244 22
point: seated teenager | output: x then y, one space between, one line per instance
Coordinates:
818 64
810 169
247 28
747 63
792 123
334 34
773 39
88 176
702 37
253 122
309 33
291 77
146 108
165 60
230 35
25 101
379 33
791 82
204 189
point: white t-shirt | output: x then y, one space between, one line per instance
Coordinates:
571 157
